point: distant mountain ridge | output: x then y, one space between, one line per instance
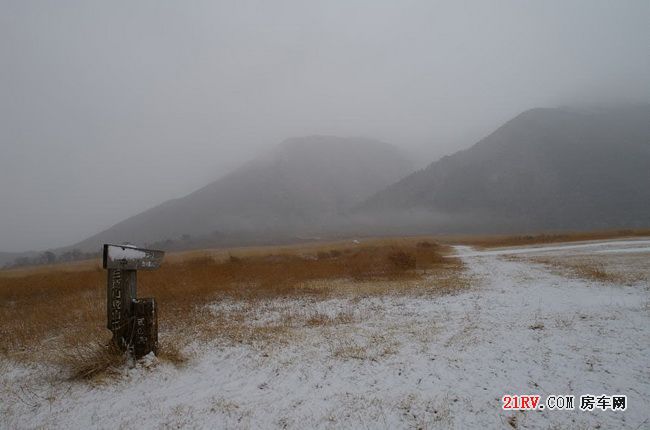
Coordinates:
544 169
302 184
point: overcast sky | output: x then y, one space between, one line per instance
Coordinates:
109 108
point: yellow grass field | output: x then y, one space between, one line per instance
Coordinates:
57 313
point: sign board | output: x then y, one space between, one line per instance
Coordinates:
127 257
121 290
145 327
133 321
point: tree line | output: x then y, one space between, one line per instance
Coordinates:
49 257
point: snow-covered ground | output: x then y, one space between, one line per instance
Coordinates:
404 361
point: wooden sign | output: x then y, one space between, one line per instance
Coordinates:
121 290
133 321
131 258
145 327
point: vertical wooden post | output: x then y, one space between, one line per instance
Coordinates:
145 327
133 321
122 286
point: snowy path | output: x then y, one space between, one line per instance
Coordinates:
427 362
598 247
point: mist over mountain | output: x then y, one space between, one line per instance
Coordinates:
544 169
299 187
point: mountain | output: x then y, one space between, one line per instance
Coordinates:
303 184
544 169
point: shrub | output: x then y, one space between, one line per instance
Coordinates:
322 255
402 260
425 244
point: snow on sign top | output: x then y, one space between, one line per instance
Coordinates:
131 258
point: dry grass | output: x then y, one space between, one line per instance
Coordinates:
542 238
92 361
581 268
595 272
373 348
318 319
58 313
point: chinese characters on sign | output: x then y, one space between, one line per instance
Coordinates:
133 321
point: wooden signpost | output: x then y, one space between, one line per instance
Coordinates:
133 321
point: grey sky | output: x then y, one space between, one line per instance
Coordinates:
108 108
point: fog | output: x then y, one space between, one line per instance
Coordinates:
109 108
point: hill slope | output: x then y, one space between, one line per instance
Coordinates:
544 169
301 185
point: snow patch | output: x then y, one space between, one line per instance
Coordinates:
125 253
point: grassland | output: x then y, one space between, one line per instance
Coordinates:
379 334
56 314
